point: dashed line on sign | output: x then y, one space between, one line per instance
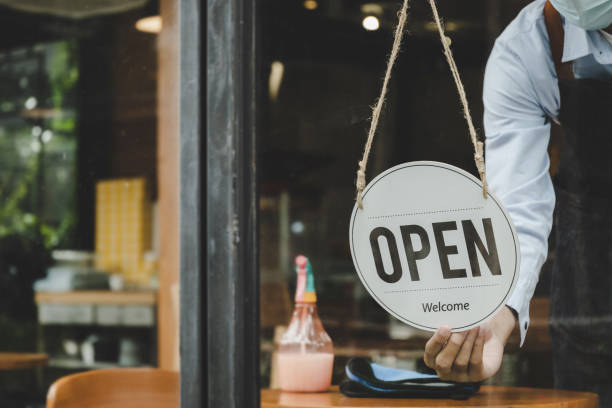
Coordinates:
437 289
425 212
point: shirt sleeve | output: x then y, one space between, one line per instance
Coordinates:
517 134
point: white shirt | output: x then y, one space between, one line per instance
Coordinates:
520 95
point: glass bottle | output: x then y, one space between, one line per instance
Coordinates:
305 353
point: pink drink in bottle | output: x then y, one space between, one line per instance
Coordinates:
305 352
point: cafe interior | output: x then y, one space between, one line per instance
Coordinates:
90 188
89 184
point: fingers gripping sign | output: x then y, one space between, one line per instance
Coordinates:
472 355
462 361
435 344
451 355
476 357
445 360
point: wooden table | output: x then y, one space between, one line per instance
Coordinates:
488 396
19 361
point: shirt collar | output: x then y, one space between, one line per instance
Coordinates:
580 42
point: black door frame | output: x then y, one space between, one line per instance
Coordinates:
218 223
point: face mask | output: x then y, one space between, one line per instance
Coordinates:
588 14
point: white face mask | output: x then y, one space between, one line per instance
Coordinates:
588 14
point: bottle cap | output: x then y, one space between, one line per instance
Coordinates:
305 290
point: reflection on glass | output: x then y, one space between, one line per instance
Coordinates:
311 135
79 196
371 23
38 142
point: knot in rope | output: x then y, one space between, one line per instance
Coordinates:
480 165
361 183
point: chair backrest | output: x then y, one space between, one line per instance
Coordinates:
116 388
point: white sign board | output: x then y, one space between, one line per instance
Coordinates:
431 249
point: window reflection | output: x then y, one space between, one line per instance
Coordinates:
85 281
312 129
38 141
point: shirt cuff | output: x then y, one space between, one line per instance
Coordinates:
521 307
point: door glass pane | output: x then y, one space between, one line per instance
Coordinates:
322 67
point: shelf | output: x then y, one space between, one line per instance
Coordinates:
76 364
103 308
99 297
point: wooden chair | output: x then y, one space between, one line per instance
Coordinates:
116 388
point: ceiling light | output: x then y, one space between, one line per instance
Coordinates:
371 23
297 227
276 78
152 24
310 4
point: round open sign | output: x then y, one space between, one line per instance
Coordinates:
431 249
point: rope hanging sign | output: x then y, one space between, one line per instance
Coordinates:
429 242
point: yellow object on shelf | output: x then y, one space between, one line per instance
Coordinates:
123 228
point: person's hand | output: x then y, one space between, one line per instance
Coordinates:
472 355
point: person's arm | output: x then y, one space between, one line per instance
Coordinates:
517 163
517 134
